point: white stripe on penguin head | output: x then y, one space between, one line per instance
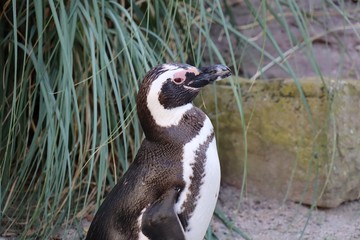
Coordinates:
162 116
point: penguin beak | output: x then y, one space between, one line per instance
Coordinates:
208 75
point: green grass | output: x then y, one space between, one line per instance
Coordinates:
70 71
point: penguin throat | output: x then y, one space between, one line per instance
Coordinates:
167 117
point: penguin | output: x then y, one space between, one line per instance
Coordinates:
171 188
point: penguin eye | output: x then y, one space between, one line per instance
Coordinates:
178 80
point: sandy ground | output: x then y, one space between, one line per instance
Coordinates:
268 219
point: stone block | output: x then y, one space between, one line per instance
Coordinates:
283 148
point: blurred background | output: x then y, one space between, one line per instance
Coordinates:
287 121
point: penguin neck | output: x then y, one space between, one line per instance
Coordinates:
178 125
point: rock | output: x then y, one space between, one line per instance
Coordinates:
309 153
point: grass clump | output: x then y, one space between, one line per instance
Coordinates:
70 72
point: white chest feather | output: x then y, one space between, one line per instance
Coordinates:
206 198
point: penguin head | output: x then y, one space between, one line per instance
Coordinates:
175 85
168 90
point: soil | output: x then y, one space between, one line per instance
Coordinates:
269 219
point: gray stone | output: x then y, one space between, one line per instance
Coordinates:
284 148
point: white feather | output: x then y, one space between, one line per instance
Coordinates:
205 205
209 192
189 159
139 221
164 117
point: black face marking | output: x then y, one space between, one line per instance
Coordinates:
190 76
174 95
198 169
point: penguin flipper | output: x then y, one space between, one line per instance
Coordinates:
160 222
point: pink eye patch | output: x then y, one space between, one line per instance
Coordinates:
182 74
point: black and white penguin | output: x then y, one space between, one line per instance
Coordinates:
171 188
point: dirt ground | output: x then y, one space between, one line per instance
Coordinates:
269 219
